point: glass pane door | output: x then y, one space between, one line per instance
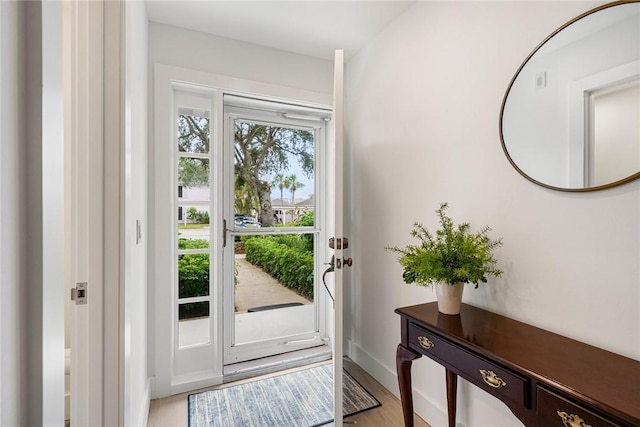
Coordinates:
193 253
193 227
275 235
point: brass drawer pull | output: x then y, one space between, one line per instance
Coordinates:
492 379
570 420
425 342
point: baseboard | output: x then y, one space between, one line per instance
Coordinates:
425 407
195 381
144 414
384 375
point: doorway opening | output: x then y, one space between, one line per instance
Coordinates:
240 203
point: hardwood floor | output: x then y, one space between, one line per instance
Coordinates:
387 415
172 411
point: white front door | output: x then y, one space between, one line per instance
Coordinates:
336 230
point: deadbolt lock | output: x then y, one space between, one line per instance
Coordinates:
339 243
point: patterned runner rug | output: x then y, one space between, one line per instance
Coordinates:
298 399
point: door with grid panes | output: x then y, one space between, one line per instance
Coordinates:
273 294
194 255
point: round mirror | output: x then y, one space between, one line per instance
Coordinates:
570 119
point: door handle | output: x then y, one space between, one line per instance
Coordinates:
347 262
329 269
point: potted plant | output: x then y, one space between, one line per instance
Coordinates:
448 259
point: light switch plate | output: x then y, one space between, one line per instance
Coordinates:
138 231
541 80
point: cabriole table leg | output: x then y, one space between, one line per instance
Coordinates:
404 358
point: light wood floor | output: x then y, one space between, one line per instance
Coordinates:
172 411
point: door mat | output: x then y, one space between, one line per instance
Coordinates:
301 398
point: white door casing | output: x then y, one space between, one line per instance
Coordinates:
84 24
94 56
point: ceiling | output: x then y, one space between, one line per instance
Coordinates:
313 28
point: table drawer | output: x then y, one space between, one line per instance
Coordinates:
561 412
490 377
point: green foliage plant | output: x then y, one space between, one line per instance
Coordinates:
307 219
287 258
453 254
198 217
193 278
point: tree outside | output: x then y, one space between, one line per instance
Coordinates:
193 137
260 152
263 159
291 183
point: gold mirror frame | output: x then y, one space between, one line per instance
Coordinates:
504 101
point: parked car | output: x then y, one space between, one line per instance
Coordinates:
244 221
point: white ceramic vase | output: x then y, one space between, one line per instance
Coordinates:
449 297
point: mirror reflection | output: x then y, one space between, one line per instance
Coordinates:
571 116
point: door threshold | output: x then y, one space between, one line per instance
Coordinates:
279 362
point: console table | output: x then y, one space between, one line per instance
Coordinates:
545 379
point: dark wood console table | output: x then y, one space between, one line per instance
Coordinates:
545 379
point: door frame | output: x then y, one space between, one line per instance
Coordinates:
94 158
337 230
164 382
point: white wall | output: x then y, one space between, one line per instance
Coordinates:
423 102
13 260
204 52
31 311
137 392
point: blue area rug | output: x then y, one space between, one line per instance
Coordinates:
298 399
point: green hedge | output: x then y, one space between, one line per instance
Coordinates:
286 258
193 278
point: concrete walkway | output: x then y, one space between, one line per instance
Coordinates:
256 288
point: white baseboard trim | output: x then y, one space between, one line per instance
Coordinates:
195 381
384 375
425 407
144 413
